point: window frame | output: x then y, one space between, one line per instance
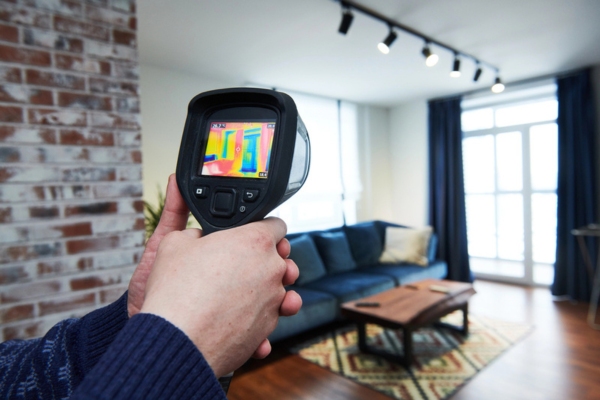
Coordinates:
540 93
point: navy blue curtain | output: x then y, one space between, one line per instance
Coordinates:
447 213
576 189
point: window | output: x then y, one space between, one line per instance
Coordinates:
329 195
510 150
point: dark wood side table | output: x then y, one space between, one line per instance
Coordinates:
409 308
592 230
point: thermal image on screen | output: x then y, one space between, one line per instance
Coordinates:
238 149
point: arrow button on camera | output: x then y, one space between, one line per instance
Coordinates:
250 195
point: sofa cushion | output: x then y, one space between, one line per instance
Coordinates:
304 253
406 245
352 285
365 243
335 251
406 273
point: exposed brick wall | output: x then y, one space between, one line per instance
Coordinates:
71 222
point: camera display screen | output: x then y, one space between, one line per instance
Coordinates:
238 149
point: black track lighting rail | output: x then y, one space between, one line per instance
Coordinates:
350 5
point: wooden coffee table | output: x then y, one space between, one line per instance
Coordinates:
409 307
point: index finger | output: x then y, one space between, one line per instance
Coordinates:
275 226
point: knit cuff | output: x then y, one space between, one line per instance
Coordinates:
151 359
98 330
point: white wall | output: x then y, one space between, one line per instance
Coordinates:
409 148
164 101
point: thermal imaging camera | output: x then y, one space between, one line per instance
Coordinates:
244 151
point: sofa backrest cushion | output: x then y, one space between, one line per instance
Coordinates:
365 243
335 251
306 256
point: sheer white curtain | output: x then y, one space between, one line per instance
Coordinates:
333 185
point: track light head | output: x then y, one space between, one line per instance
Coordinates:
498 86
430 58
347 18
384 46
477 73
455 73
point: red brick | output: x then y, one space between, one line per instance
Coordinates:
67 304
89 174
29 173
126 38
108 296
67 7
11 114
22 94
114 87
24 56
9 134
136 156
9 154
138 206
87 138
72 230
16 313
29 252
10 74
5 214
128 105
23 331
28 291
57 117
9 33
43 78
91 282
116 121
64 266
25 16
80 28
43 212
110 17
126 69
91 209
89 245
85 101
124 5
80 64
13 274
52 40
112 190
133 23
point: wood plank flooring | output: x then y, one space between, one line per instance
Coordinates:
560 359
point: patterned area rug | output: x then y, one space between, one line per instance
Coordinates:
445 360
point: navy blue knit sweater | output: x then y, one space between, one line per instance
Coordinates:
106 355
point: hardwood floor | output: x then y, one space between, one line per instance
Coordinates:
560 359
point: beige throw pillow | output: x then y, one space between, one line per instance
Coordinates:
406 245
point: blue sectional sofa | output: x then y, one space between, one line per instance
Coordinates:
342 264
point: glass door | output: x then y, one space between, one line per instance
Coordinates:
510 171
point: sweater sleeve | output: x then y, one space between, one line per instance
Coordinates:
150 359
52 366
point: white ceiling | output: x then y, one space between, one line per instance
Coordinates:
294 44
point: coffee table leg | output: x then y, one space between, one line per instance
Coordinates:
362 337
408 347
465 311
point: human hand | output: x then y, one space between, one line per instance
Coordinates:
225 290
174 218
